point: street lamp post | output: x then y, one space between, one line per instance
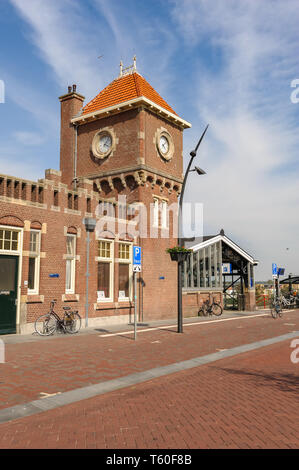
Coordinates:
90 225
290 283
199 171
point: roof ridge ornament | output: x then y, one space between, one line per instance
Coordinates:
127 70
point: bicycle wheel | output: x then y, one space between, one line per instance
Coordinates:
217 309
45 325
276 309
279 311
203 311
273 312
72 322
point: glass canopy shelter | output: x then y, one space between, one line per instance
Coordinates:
291 281
219 265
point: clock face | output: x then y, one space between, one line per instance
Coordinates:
105 143
164 144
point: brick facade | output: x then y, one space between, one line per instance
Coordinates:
56 205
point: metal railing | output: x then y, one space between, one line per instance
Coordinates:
264 301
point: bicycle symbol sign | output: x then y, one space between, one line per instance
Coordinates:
136 259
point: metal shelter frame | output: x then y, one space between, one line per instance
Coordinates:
203 270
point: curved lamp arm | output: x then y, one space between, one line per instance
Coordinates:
193 155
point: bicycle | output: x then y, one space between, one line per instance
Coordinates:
210 309
276 308
47 324
288 302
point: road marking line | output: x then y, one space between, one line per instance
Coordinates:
120 333
90 391
46 395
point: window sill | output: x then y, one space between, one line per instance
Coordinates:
34 298
112 305
70 297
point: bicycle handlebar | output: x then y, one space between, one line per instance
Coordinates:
52 303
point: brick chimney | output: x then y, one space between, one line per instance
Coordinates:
71 103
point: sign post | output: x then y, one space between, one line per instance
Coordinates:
136 269
280 272
274 277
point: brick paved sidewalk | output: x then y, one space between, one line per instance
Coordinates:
63 363
248 401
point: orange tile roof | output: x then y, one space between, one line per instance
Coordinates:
123 89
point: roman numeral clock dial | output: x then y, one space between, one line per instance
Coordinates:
164 144
104 143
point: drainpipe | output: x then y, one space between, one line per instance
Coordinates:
75 156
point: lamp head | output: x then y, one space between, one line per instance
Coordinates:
199 171
90 224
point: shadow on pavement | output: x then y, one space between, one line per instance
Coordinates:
285 382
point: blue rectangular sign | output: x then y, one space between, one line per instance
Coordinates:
137 255
274 268
227 268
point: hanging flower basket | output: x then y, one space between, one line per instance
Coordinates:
178 253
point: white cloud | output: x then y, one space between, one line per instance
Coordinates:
13 163
70 39
244 57
66 42
250 189
149 38
28 138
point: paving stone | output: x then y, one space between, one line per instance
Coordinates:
245 401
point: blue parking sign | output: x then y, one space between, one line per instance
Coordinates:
274 269
137 255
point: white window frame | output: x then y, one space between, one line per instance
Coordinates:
156 213
17 253
110 260
164 206
36 256
160 212
72 259
130 263
10 251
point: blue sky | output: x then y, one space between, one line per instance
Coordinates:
230 65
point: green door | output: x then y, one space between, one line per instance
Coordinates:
8 293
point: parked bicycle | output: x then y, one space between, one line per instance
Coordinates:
210 309
50 322
289 302
281 302
276 308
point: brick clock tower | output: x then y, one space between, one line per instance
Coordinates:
128 143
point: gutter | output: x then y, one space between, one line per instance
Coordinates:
129 104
